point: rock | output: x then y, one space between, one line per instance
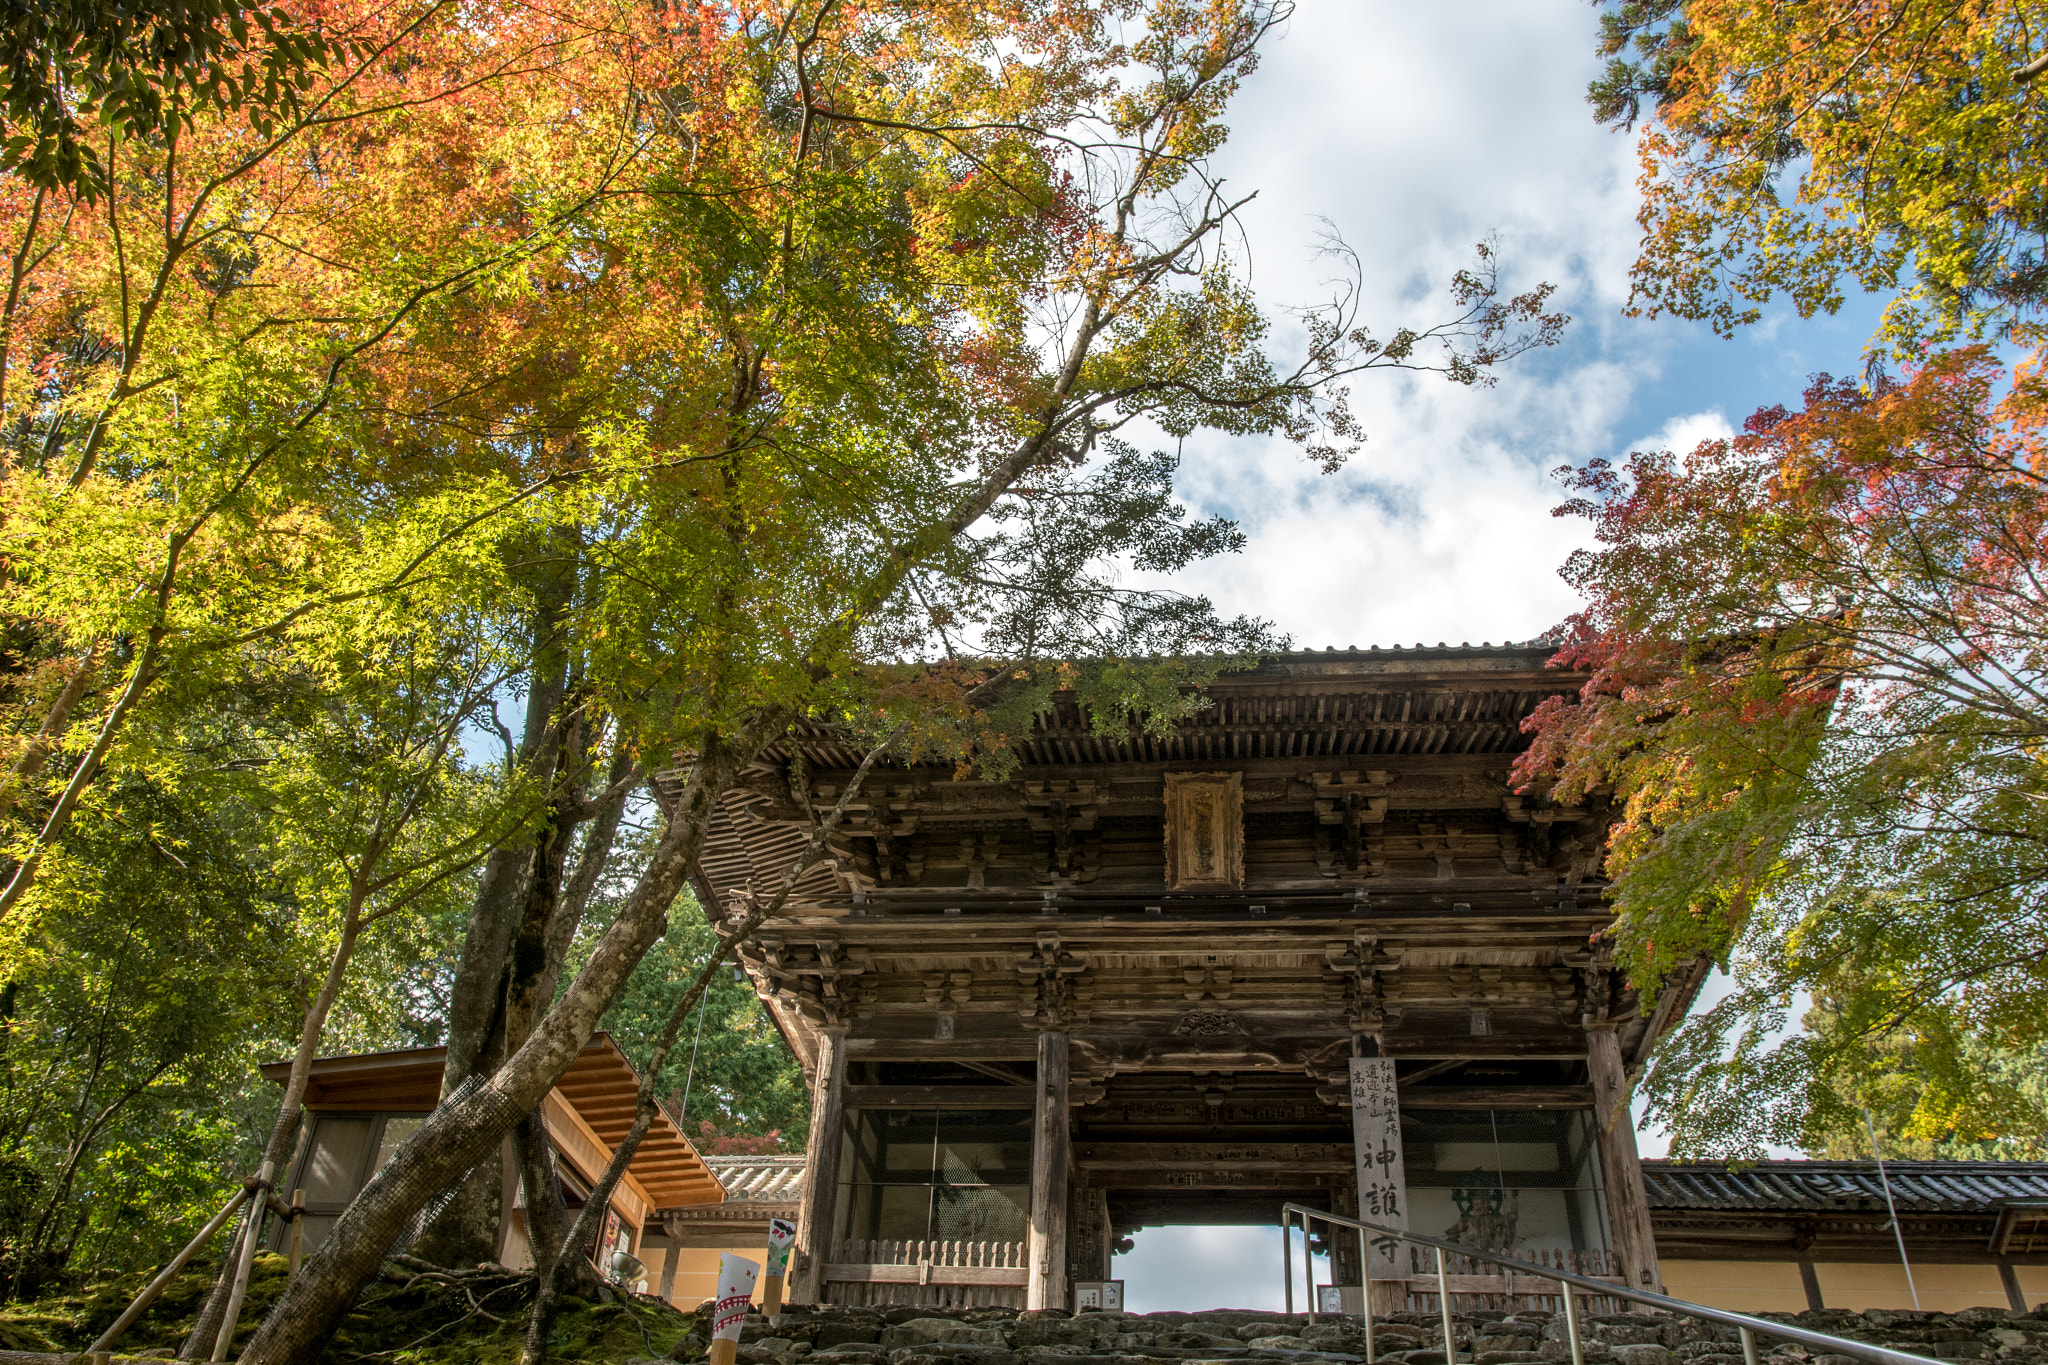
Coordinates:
1272 1344
1628 1330
832 1334
1035 1331
777 1346
1188 1336
1644 1353
1682 1332
926 1331
967 1352
1331 1333
1960 1350
1504 1344
1836 1360
1245 1326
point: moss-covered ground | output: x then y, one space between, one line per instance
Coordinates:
406 1318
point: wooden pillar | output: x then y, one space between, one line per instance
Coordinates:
1621 1170
1051 1154
1088 1232
668 1271
817 1211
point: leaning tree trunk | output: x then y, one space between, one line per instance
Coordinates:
468 1128
568 1259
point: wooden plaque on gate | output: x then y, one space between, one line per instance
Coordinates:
1204 831
1382 1165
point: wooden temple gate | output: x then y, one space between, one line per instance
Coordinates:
1139 984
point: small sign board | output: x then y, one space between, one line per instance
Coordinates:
1107 1295
1340 1300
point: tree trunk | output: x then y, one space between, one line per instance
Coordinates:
276 1153
501 894
547 1218
464 1131
467 1230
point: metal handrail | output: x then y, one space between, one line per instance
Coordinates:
1566 1280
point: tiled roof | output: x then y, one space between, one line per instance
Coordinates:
1919 1186
759 1179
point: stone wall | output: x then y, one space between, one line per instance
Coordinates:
996 1336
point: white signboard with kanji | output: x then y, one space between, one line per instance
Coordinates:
1382 1174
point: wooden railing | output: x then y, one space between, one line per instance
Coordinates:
1476 1284
939 1274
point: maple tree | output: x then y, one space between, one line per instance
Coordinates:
764 365
1818 696
1800 149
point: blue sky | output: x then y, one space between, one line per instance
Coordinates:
1416 130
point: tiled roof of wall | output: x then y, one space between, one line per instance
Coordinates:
759 1179
1920 1186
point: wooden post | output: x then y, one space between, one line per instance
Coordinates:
298 1229
1621 1170
673 1234
819 1206
252 1230
1051 1156
781 1236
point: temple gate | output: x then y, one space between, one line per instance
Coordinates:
1127 988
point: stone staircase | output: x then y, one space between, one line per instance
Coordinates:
1001 1336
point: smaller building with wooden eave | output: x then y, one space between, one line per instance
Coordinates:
689 1240
1792 1235
361 1107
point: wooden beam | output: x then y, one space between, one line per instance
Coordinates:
1103 1154
842 1272
1434 1069
938 1097
1498 1097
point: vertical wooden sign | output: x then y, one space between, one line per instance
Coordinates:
1204 831
1382 1173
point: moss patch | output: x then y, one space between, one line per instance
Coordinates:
405 1319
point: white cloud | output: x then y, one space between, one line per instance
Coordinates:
1683 434
1416 131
